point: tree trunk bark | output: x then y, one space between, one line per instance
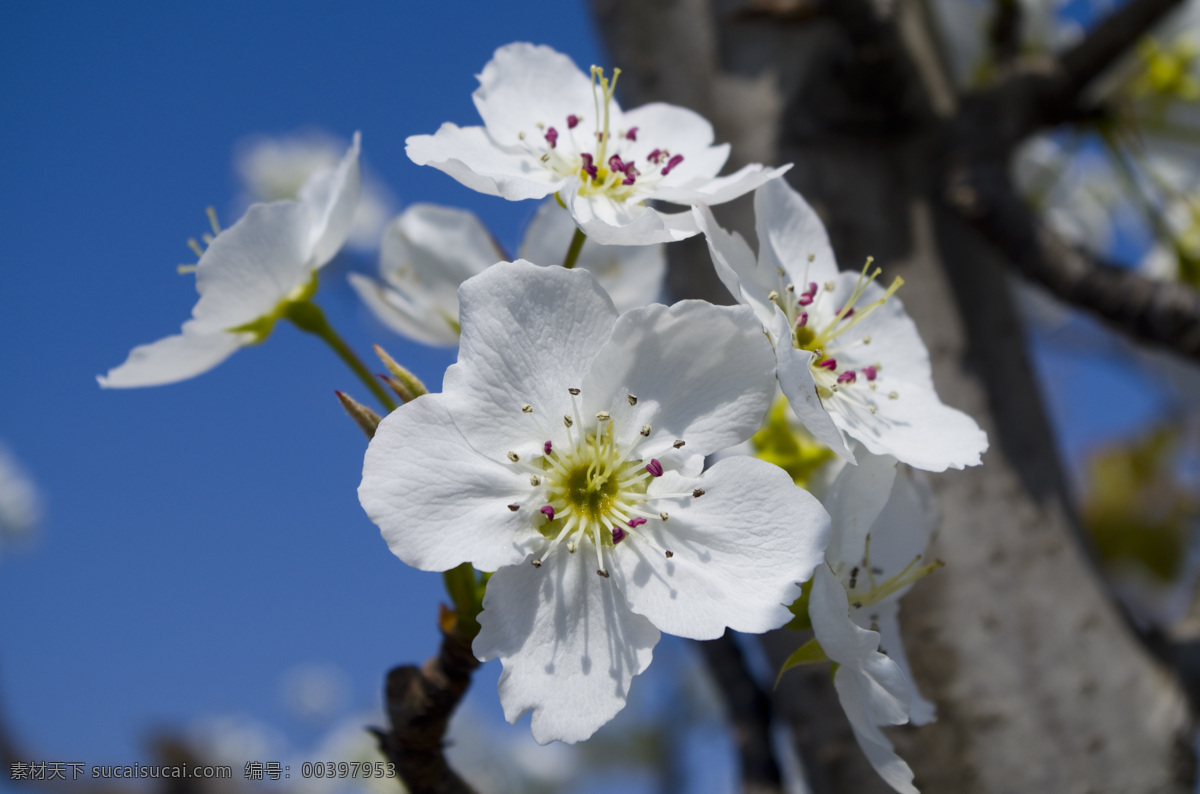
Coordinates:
1040 684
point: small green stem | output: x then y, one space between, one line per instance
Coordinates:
463 588
576 246
307 316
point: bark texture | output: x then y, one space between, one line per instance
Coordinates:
1041 685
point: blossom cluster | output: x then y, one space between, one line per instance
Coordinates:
570 452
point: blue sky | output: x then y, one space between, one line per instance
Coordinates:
204 538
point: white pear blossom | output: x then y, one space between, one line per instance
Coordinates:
248 275
850 360
549 128
428 251
565 453
1076 189
275 167
883 517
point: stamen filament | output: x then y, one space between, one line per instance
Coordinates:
212 219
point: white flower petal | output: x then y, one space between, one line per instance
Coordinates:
472 157
438 502
442 246
855 500
528 334
252 266
829 609
681 130
173 359
420 321
895 340
789 231
720 189
426 254
272 167
797 384
737 266
611 222
701 373
569 645
886 618
739 551
915 427
524 84
686 129
905 526
632 275
331 195
876 747
872 688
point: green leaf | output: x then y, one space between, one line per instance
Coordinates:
810 652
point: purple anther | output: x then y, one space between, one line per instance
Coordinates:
828 363
631 174
655 156
654 467
812 288
589 167
632 134
615 163
548 512
547 447
599 137
802 319
804 299
572 121
849 312
674 161
636 521
619 535
870 372
847 377
552 137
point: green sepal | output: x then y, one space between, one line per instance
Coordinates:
799 610
778 442
466 593
262 327
810 652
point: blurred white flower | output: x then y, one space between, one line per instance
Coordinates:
315 691
248 276
20 502
275 167
428 251
1075 188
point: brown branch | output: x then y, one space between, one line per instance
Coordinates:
1004 31
1162 313
419 704
749 714
1107 42
781 11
